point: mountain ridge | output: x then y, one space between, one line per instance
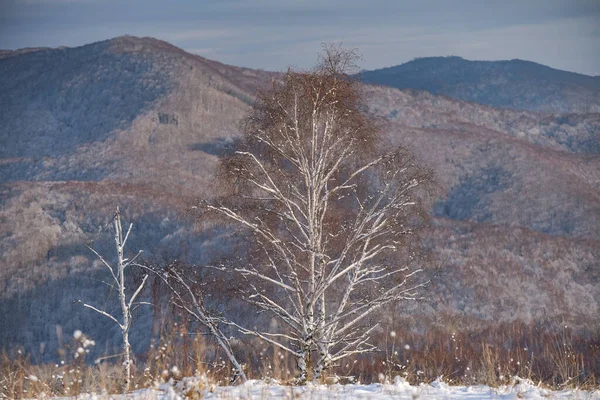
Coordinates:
516 83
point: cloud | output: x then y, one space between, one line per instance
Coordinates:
201 51
567 43
200 34
55 2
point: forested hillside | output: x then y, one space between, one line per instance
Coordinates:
136 122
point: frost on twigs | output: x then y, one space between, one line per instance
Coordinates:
329 212
127 303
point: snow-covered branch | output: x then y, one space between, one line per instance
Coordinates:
328 212
189 298
117 272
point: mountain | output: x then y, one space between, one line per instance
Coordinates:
515 230
139 123
134 122
504 167
516 84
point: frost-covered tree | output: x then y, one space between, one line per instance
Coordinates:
127 302
328 211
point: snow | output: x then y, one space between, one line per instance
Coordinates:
399 390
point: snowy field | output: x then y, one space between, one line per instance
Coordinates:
399 390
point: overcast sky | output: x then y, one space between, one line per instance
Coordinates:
275 34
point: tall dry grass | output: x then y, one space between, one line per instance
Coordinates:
557 358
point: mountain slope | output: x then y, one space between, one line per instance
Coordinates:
513 84
139 123
504 167
121 122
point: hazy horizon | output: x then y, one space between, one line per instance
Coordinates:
273 35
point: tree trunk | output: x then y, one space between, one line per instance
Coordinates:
303 361
124 308
323 361
322 346
127 360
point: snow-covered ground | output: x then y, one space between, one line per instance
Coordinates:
521 389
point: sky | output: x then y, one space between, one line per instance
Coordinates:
276 34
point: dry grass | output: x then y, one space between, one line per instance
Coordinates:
174 356
556 358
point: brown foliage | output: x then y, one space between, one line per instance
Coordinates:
327 209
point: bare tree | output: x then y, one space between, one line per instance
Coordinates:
117 273
326 209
